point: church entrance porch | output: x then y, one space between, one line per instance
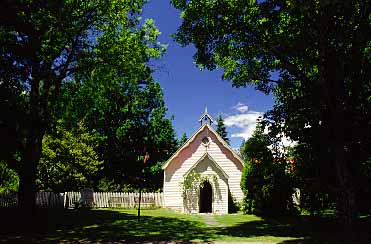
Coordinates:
206 198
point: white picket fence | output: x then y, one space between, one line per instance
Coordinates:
49 200
116 199
97 199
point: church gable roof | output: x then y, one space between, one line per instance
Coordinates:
192 138
207 155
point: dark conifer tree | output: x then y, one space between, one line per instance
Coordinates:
182 140
221 130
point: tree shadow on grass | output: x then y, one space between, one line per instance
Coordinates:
112 226
302 230
103 226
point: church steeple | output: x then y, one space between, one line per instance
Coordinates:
206 117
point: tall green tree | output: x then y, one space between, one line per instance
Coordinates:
120 99
43 44
320 53
221 130
132 120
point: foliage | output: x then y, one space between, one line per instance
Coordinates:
182 140
233 205
314 56
120 100
107 185
46 46
130 116
266 186
314 197
192 181
191 188
221 130
42 44
69 160
9 180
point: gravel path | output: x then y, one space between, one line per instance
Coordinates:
210 221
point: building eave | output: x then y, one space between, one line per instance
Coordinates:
183 146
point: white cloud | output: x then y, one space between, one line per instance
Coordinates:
240 107
246 122
243 122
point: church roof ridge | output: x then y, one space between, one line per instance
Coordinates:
220 139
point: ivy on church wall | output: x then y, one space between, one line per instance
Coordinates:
191 187
193 180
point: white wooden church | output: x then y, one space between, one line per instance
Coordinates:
204 174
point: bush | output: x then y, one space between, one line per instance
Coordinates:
9 180
233 205
267 189
266 183
69 159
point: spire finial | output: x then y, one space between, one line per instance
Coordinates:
205 116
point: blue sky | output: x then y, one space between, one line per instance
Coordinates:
187 89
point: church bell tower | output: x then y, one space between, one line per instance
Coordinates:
205 117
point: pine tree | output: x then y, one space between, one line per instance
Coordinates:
221 130
182 140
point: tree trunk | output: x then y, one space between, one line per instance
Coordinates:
346 192
334 117
346 205
344 175
35 129
27 175
27 186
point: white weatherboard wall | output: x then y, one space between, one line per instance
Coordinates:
217 159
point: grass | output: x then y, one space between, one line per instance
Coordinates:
121 226
251 228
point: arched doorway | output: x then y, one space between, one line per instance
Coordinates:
206 197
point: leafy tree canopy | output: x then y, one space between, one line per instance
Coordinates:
320 53
45 44
119 99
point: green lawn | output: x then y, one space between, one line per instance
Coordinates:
121 225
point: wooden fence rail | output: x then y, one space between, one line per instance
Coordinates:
95 199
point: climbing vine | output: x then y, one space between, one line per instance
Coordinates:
193 180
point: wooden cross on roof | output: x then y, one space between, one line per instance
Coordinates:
206 117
